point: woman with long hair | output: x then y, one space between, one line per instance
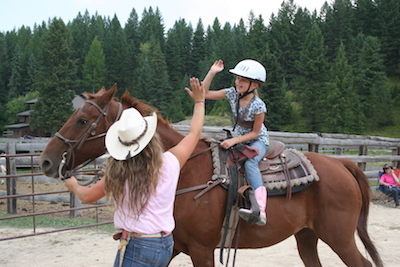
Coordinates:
141 178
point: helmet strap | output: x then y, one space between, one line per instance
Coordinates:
247 92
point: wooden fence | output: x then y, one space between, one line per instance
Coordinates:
361 149
369 149
369 152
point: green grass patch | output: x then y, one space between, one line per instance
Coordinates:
44 221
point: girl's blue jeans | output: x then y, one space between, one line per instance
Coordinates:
253 173
154 252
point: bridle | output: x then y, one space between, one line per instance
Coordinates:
68 157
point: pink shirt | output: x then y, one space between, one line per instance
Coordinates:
388 178
158 214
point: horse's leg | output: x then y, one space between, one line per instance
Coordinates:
344 244
307 246
346 249
199 256
202 256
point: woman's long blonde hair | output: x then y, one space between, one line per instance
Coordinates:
139 175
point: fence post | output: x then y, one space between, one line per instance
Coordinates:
74 202
396 151
313 148
11 183
338 151
362 151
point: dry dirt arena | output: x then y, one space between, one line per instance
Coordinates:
89 247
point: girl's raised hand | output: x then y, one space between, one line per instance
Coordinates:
218 66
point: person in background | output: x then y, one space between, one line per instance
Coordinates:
390 183
249 113
141 179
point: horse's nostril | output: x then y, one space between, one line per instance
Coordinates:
45 165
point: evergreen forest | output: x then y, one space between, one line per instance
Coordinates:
336 70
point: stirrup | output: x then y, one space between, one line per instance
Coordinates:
245 214
249 215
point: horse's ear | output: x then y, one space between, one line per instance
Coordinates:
114 88
126 99
101 91
107 96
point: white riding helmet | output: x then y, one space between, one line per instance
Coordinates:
250 69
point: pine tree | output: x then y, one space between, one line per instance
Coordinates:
116 50
198 50
283 37
80 43
94 69
15 84
366 17
240 40
97 29
389 34
371 83
55 79
338 25
342 111
3 94
310 83
178 50
257 39
133 42
152 28
152 78
273 93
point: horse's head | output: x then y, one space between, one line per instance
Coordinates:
81 138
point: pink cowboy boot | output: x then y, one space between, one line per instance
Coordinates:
261 197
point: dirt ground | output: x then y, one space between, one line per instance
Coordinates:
94 248
91 247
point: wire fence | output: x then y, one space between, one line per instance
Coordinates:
22 191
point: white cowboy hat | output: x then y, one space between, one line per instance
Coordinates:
131 134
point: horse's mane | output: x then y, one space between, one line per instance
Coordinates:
129 101
144 108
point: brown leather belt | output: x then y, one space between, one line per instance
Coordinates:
125 234
157 235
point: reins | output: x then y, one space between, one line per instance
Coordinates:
203 151
69 156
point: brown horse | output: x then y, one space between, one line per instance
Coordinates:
331 209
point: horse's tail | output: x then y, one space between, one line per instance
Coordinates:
362 219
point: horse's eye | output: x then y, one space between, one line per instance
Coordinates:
82 122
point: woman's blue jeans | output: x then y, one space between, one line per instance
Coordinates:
393 191
253 173
149 252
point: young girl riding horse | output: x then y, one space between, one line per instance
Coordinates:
249 111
